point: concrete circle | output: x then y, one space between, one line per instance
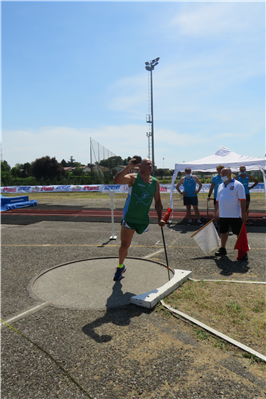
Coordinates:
88 284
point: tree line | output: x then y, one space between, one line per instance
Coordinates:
48 171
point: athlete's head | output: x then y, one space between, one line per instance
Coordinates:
188 172
219 168
145 166
242 169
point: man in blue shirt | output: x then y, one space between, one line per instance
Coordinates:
244 178
216 181
190 194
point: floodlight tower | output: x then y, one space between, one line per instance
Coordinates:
149 66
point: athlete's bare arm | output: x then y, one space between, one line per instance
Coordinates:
210 191
181 181
123 177
197 180
253 179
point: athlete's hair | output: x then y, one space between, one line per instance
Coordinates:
219 167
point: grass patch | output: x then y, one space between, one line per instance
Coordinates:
235 309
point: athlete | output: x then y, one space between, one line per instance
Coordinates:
142 188
244 178
216 181
189 193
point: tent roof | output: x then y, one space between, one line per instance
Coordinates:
225 157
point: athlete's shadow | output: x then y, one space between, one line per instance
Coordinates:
120 316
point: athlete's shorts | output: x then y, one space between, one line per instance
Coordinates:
140 228
248 197
235 224
190 200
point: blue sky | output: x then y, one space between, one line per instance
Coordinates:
75 70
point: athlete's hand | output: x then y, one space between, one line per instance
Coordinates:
162 223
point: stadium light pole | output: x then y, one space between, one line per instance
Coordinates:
149 66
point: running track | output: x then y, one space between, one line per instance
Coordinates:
103 213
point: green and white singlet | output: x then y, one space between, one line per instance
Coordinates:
138 202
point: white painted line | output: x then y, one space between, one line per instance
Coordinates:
215 332
231 281
27 312
154 253
151 298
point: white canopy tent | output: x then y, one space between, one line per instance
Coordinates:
225 157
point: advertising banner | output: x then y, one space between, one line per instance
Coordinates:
102 188
52 189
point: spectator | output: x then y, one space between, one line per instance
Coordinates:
190 194
244 178
216 181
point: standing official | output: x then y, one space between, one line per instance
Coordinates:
231 208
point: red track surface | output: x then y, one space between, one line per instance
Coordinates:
102 213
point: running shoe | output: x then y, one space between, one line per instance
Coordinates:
199 222
118 273
190 221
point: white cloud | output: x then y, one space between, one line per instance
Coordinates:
212 19
20 146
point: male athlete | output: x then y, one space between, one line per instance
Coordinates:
142 188
190 194
216 181
244 178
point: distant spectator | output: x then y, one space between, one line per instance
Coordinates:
216 181
244 178
190 194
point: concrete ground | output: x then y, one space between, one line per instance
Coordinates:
67 350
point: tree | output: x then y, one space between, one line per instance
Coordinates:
47 168
15 172
63 163
6 178
26 170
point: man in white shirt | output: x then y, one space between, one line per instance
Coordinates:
230 207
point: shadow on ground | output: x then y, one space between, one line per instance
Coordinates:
118 316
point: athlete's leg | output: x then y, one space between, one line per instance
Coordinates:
188 215
126 237
196 210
